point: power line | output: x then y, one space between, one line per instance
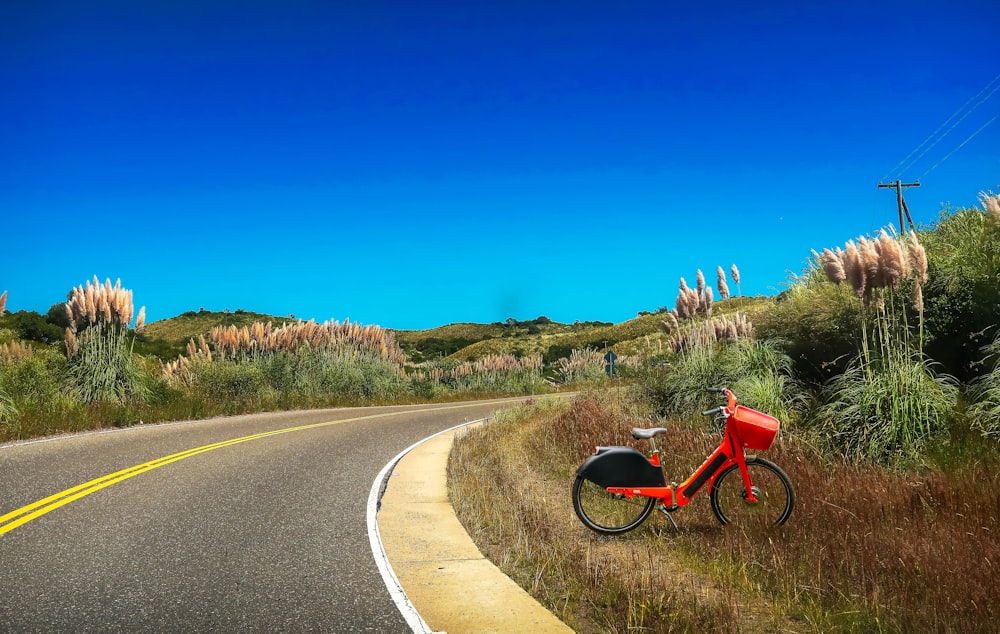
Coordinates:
942 126
941 138
971 136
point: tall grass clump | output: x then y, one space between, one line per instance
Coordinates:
7 408
505 373
707 332
582 366
305 363
889 401
757 371
101 366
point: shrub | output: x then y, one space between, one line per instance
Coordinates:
32 377
962 295
819 324
228 384
31 326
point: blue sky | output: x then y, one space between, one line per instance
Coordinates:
413 164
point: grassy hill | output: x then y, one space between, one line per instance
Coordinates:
554 341
467 341
167 338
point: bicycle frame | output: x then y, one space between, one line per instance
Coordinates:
730 451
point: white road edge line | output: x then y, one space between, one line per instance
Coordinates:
410 614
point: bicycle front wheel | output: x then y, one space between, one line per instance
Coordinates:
771 486
608 513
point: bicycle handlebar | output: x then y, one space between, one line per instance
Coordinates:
712 412
729 395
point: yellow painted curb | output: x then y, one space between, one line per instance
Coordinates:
445 577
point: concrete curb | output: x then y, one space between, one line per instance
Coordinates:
437 576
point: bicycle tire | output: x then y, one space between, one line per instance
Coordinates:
607 513
772 487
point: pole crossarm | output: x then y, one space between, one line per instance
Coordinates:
899 186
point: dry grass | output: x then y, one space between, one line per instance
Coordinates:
263 340
708 332
866 549
581 365
15 351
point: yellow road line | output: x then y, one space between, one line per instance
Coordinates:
25 514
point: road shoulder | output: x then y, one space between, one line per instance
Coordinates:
445 577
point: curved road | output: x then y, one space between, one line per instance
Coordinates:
254 531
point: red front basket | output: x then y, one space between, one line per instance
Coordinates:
756 430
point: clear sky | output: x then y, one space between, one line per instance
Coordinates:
413 164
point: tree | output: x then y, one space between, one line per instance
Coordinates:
57 315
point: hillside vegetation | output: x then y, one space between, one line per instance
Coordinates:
880 359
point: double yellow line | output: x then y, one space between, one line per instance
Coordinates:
25 514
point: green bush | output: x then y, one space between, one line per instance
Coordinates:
818 323
32 326
228 384
36 380
962 296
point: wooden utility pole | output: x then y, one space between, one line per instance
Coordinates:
898 186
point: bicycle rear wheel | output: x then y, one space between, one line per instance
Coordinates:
608 513
771 486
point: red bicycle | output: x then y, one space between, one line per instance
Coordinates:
617 487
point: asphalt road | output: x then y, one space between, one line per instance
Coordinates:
265 535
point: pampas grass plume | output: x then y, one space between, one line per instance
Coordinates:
833 265
918 258
723 287
991 204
